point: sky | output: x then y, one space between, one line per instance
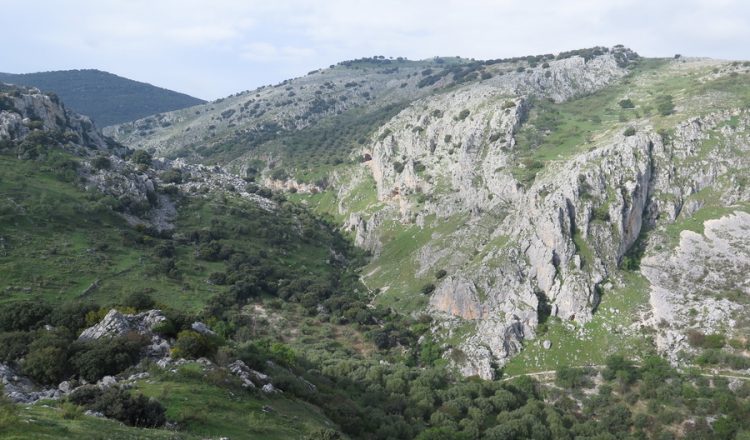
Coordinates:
214 48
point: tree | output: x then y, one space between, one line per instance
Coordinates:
105 357
141 157
665 105
139 300
571 378
46 365
191 345
23 315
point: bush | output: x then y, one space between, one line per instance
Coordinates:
601 213
101 163
139 300
626 103
192 345
463 115
14 345
8 411
171 176
46 365
71 411
141 157
428 288
665 105
116 403
106 357
617 367
698 339
571 378
440 274
630 131
23 315
72 315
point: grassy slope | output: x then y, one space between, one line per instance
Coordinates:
56 244
56 241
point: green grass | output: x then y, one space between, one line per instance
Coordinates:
46 422
394 270
604 335
206 410
57 240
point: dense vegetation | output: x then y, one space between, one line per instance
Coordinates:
387 379
106 98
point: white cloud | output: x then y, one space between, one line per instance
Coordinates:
187 44
267 52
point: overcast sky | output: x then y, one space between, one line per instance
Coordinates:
210 49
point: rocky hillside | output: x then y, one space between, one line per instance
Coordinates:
525 192
106 98
577 218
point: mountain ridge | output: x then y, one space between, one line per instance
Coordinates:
105 97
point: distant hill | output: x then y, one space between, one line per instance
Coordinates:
107 98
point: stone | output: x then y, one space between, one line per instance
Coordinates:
106 382
269 389
547 344
202 328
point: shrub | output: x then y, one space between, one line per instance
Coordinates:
139 300
665 105
440 274
620 368
463 115
101 163
139 411
191 345
106 357
571 378
700 340
428 288
46 365
8 411
141 157
626 103
398 167
14 345
71 411
23 315
601 213
165 328
171 176
72 315
630 131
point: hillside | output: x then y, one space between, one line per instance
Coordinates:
106 98
548 247
513 200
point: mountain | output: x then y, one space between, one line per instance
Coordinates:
108 99
524 203
547 247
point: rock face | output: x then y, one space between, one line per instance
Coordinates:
521 248
117 324
24 110
458 150
711 296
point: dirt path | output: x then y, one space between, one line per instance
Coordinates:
600 367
